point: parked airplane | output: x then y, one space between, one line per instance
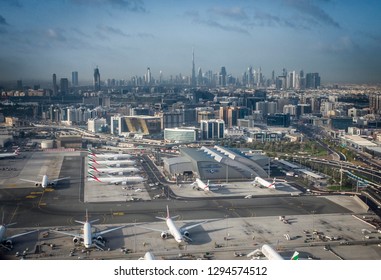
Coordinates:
6 242
181 234
113 163
271 254
107 156
200 185
10 155
264 183
115 171
148 256
89 238
116 180
45 182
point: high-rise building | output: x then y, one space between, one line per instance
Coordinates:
74 78
97 79
55 87
199 77
64 86
148 76
222 77
212 129
19 85
312 80
193 78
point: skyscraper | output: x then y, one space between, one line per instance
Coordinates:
149 76
97 79
193 78
64 86
55 87
222 77
74 78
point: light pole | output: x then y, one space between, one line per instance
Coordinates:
227 233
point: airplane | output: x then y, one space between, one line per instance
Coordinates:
109 156
89 238
6 242
45 182
200 185
113 163
148 256
115 171
264 183
116 180
181 234
271 254
10 155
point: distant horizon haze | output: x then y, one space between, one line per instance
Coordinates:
340 40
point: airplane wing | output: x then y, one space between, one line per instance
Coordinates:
68 233
107 231
184 228
153 229
21 234
60 179
31 181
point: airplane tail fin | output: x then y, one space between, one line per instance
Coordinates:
295 256
92 167
90 152
95 178
168 216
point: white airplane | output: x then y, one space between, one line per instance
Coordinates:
113 163
201 185
116 180
271 254
6 242
91 154
181 234
264 183
10 155
148 256
45 182
115 171
89 238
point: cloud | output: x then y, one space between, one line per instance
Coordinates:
13 3
3 21
196 18
307 7
111 30
235 13
130 5
56 34
342 45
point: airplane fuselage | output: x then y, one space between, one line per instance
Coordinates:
2 232
87 236
174 231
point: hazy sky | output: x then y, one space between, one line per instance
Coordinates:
339 39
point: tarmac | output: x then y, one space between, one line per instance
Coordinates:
335 235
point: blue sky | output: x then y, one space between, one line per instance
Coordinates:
339 39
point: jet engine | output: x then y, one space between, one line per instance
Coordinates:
100 238
186 233
76 240
164 235
8 243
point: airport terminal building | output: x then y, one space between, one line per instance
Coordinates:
217 163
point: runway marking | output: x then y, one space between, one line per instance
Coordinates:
42 204
33 193
118 213
31 196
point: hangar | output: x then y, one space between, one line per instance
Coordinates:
217 163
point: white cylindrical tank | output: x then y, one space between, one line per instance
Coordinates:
47 144
270 253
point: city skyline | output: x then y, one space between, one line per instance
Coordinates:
338 39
